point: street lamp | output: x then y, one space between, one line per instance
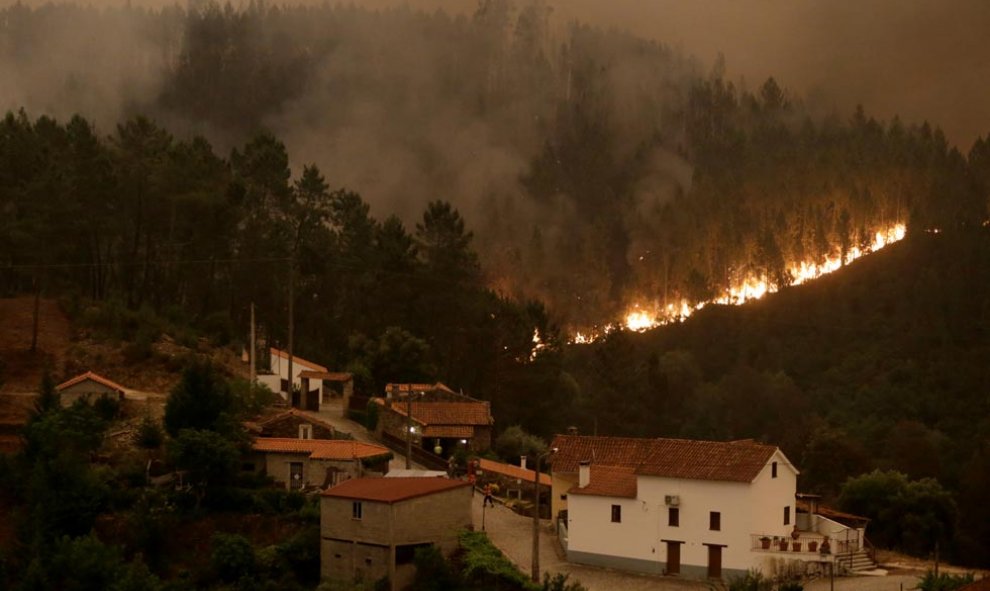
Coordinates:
536 513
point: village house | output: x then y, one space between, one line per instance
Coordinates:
315 463
370 528
441 420
701 509
88 386
313 385
294 423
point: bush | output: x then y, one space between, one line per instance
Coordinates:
943 581
371 416
107 406
150 434
232 557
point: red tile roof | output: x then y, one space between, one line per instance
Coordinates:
448 413
609 481
449 431
319 449
734 461
93 377
391 490
607 451
298 360
512 471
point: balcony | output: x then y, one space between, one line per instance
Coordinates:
806 546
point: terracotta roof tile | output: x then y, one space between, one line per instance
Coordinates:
391 490
609 481
512 471
90 376
737 461
610 451
448 413
298 360
319 449
449 431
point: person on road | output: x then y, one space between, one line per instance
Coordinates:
489 499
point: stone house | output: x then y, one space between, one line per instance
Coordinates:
315 463
88 386
441 420
295 424
370 528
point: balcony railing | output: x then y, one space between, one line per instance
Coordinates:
806 544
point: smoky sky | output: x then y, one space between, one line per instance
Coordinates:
924 60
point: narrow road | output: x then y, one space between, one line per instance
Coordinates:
334 414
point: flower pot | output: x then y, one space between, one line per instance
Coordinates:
765 543
796 546
783 546
812 546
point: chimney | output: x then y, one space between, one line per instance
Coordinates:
572 430
584 474
522 462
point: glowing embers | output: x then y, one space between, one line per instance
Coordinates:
752 287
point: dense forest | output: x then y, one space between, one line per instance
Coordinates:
428 193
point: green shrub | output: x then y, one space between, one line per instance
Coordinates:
371 416
943 581
107 406
150 434
232 557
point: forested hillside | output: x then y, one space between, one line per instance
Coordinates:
439 197
596 169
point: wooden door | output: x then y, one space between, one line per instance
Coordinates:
714 562
673 558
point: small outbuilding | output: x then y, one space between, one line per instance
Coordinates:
88 386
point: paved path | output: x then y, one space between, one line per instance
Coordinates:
513 535
334 414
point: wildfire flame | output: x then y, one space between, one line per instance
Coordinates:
640 319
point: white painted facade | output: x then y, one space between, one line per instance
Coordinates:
279 363
638 541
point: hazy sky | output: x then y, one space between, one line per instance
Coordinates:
922 59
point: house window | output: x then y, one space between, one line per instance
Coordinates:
306 431
356 510
673 517
616 514
773 470
563 497
715 521
787 515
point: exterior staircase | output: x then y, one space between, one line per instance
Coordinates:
856 562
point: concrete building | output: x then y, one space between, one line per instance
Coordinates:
371 527
701 509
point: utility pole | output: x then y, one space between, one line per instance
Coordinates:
292 322
408 428
254 373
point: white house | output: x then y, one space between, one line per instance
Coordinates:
310 379
680 507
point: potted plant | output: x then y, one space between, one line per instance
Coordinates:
783 544
765 542
796 546
812 546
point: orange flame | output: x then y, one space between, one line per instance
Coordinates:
640 319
